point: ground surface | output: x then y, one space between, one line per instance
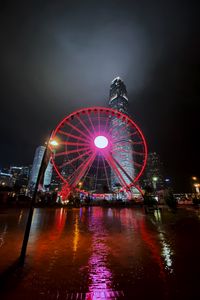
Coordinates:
101 253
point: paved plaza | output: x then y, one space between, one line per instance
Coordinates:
101 253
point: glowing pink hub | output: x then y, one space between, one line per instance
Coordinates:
101 142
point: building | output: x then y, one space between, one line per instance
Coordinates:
35 170
118 100
20 176
118 96
153 176
6 180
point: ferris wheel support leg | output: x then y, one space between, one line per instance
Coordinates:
65 191
84 169
139 189
112 163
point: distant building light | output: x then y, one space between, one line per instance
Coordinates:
6 174
154 178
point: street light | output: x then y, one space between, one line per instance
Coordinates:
45 160
80 184
197 186
53 143
154 179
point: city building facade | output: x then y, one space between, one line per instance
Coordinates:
122 147
153 176
20 175
35 170
6 180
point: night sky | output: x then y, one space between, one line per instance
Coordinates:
57 56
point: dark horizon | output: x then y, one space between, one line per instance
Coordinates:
58 57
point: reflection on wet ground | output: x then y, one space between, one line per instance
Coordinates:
101 253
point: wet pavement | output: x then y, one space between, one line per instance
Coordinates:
101 253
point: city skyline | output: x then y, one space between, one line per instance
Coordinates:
56 58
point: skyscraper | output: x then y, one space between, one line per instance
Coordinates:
35 169
118 96
154 171
122 147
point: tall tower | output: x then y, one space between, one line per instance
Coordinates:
122 147
118 96
36 167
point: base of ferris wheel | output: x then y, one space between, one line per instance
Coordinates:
125 195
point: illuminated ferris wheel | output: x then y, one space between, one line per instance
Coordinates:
99 149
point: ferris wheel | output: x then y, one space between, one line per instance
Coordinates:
100 149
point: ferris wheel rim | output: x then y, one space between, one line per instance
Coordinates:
113 112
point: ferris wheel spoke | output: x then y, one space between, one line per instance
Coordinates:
71 151
138 188
99 122
71 177
105 171
128 151
121 142
119 155
71 135
123 170
77 129
137 143
73 144
113 165
106 124
123 125
133 133
88 169
97 172
120 150
90 120
138 153
138 165
84 125
84 169
86 173
75 159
